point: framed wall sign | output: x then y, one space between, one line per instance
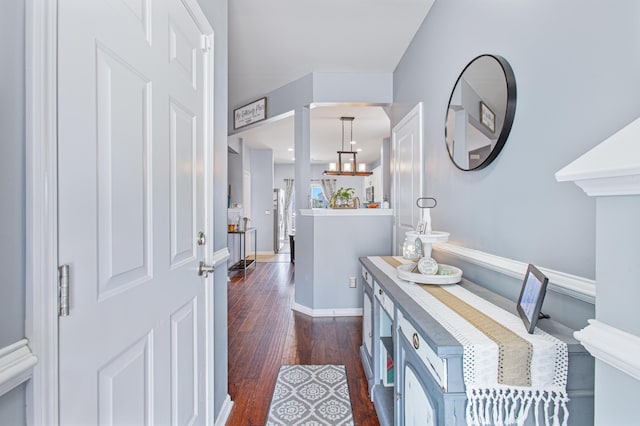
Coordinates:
487 117
250 113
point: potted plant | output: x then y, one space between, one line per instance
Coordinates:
344 198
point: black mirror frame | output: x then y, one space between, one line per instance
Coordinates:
510 112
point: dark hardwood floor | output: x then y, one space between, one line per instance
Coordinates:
264 333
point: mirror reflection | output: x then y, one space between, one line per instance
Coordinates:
480 113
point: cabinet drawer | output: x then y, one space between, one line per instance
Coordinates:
384 300
437 366
367 277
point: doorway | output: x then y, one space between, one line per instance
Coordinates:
407 172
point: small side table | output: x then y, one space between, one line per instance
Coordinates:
244 263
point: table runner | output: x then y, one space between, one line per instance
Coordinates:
507 371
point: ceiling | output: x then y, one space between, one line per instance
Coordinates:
276 42
370 127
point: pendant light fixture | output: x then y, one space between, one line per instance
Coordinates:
348 167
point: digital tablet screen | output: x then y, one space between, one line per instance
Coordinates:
531 297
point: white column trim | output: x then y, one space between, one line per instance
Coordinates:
41 320
613 346
16 365
571 285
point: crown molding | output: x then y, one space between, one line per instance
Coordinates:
610 168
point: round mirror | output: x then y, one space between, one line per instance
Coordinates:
480 113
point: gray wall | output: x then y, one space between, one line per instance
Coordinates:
217 12
330 253
12 191
282 172
574 79
338 243
262 197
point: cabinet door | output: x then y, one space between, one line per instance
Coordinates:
417 407
367 334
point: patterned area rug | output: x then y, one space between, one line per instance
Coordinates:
311 395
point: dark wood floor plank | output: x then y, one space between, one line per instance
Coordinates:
264 333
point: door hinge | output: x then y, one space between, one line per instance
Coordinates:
63 290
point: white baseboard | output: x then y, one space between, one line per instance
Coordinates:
322 313
611 345
572 285
225 412
16 365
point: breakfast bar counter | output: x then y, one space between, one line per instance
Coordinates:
329 243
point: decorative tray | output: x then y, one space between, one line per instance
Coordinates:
446 275
433 237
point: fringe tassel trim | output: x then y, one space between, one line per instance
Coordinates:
502 407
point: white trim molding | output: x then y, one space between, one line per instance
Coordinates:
225 412
613 346
220 256
610 168
571 285
324 313
41 316
16 365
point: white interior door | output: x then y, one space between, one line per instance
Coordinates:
132 130
407 161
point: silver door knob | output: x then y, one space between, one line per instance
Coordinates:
204 270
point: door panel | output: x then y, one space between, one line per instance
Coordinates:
184 364
131 203
129 373
182 53
140 13
406 175
122 172
183 178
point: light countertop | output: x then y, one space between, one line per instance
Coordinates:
346 212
